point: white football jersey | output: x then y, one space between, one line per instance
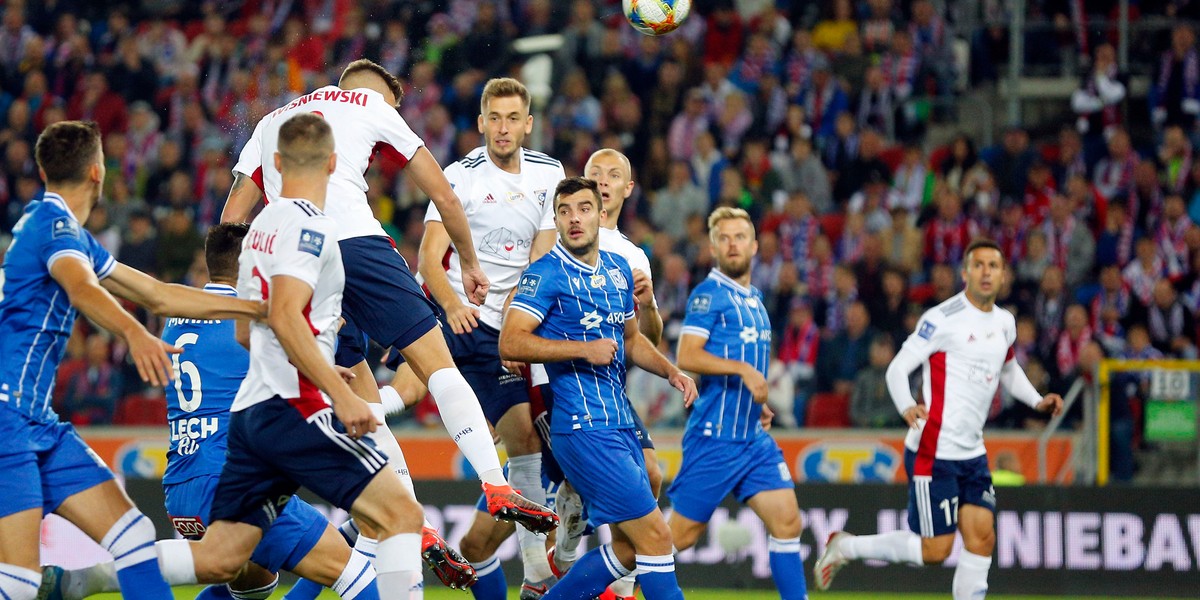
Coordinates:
612 240
290 237
363 123
505 211
963 350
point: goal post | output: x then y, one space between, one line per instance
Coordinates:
1171 402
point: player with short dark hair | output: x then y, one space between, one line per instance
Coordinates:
54 268
965 346
574 311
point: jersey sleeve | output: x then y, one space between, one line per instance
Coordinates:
926 339
301 249
701 316
66 239
393 135
630 301
455 175
250 160
536 290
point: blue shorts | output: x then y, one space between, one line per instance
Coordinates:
293 535
381 298
712 469
43 464
933 501
273 450
607 468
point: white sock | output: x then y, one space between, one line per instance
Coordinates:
398 565
525 474
464 421
615 568
349 530
366 546
355 578
970 576
393 404
623 587
898 546
261 593
386 442
129 539
486 566
19 583
176 562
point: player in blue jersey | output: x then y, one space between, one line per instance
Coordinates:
53 268
208 374
573 310
726 338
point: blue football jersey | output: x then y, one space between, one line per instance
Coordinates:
207 375
733 319
575 301
36 316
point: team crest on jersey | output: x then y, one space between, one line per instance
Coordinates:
598 281
528 286
65 227
618 279
926 330
541 197
311 242
515 197
700 304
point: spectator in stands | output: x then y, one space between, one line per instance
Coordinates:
849 65
576 109
947 236
94 101
679 200
1072 160
1010 163
671 290
733 121
958 162
834 305
876 104
931 38
870 403
890 305
1049 308
766 265
1142 272
943 283
910 179
844 355
823 101
1114 173
1174 97
798 63
1115 244
900 66
707 162
1171 325
878 27
139 249
873 200
805 173
1097 101
1075 334
178 242
865 166
1171 236
1175 156
902 242
758 59
830 33
682 137
1040 190
724 35
798 345
1070 243
92 391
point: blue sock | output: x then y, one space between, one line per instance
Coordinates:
304 590
589 576
490 583
143 581
214 592
787 569
656 574
369 592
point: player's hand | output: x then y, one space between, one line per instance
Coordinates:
756 383
150 355
513 366
1052 403
680 381
915 416
346 374
600 352
766 417
356 416
475 284
462 318
642 290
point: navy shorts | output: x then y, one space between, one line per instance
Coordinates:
273 450
381 298
713 469
293 535
608 469
933 500
43 464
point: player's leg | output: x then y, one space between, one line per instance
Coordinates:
333 564
405 390
515 429
19 573
479 547
625 586
387 507
649 539
780 512
977 524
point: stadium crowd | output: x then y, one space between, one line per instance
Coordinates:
807 114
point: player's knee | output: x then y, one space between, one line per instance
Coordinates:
399 515
656 539
786 525
981 542
219 567
935 551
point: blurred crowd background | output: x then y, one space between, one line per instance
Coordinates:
826 120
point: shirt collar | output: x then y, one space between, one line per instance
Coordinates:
565 255
727 280
53 198
220 288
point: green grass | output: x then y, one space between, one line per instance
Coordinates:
440 593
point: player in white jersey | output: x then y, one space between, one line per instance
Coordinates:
295 422
505 190
965 346
382 299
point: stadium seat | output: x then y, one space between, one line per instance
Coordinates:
828 409
141 410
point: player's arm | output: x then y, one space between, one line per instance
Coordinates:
428 176
434 245
919 346
1013 378
693 357
241 333
289 299
244 195
649 320
169 299
86 294
519 343
644 354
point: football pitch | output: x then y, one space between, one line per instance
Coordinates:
440 593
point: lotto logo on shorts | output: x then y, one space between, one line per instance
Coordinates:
188 527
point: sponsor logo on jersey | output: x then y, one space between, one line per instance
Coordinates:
64 227
501 242
311 242
598 281
618 279
489 199
700 304
591 320
926 329
541 197
515 197
752 335
528 286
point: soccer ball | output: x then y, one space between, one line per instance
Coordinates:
656 17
